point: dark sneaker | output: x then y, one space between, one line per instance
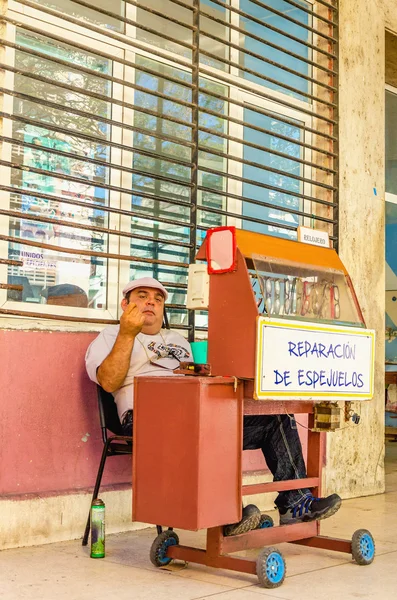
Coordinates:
250 520
311 509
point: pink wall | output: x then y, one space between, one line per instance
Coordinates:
48 405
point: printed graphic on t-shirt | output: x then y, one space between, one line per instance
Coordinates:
169 350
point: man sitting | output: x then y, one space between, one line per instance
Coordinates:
140 346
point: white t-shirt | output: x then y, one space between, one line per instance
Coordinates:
159 348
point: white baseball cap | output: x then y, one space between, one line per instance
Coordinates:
145 282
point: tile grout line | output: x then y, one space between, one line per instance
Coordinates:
219 593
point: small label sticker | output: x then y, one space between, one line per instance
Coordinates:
313 236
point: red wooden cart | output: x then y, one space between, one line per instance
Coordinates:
187 451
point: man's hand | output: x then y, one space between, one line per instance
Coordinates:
131 321
113 370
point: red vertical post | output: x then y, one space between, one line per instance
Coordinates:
214 542
315 458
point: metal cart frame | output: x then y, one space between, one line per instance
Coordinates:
219 547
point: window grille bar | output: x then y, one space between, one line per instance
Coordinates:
336 160
268 113
274 134
263 221
293 211
285 16
109 78
11 286
266 168
84 48
157 13
150 92
104 186
120 18
162 116
263 59
81 252
135 45
60 317
182 122
92 138
178 2
267 26
266 78
13 263
195 152
100 118
88 93
102 163
257 183
311 12
324 3
242 198
202 70
133 23
267 96
227 213
272 223
267 187
103 207
96 228
301 161
266 42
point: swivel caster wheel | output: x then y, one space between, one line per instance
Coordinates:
363 547
270 568
265 522
158 551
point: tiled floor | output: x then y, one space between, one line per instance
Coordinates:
64 570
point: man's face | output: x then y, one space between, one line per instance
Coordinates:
150 301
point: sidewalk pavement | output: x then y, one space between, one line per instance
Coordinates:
66 571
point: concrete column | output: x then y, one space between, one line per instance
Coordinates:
355 463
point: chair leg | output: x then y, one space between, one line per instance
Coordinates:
96 490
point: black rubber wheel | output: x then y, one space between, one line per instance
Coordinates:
158 551
265 522
271 568
363 547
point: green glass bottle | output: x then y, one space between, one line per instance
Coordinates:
97 529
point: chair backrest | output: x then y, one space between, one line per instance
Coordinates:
166 324
108 415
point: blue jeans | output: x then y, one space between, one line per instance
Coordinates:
281 447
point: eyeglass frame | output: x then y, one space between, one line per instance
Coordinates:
170 354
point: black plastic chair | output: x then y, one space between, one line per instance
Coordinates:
114 445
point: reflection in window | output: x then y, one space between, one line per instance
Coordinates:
90 15
214 182
278 56
216 48
59 167
166 29
171 36
260 174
